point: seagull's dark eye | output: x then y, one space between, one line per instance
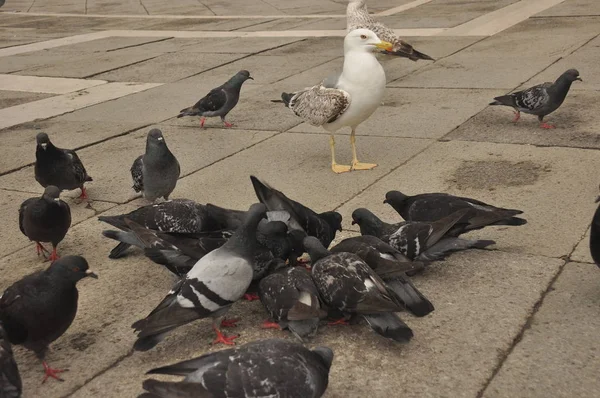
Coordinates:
363 37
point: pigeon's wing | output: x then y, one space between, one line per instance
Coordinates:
22 212
213 101
319 105
76 166
10 379
225 218
173 389
137 175
533 98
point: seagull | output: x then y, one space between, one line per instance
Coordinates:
219 101
358 17
540 100
346 100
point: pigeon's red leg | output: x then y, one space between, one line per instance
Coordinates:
251 296
270 325
517 116
50 372
341 321
54 255
227 124
202 122
229 323
221 338
545 125
304 263
40 249
83 195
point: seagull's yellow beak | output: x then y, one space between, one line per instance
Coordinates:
384 45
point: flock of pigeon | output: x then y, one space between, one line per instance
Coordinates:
219 256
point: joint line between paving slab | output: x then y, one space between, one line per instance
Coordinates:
140 44
123 66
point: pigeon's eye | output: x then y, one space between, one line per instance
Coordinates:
364 37
76 269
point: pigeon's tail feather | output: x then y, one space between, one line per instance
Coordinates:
304 328
507 100
389 325
449 245
187 112
175 261
126 240
512 221
443 225
115 221
119 250
287 97
174 389
148 342
412 298
161 321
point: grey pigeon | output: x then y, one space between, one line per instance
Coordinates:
39 308
265 368
219 101
215 282
292 301
323 225
155 173
59 167
346 283
384 260
540 100
434 206
45 219
595 235
10 379
426 241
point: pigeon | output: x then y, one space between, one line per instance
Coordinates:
595 235
322 226
540 100
265 368
10 379
155 173
292 300
219 101
347 99
215 282
384 260
358 17
426 241
346 283
182 216
434 206
59 167
39 308
45 219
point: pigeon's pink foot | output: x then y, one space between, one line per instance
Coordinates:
83 195
202 122
341 321
227 124
229 323
305 264
546 126
517 117
270 325
41 249
251 297
50 372
53 255
221 338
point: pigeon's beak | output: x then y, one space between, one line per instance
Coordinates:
579 79
384 45
44 145
385 201
597 199
353 222
91 274
250 77
340 229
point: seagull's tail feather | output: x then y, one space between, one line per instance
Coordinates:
179 389
449 245
412 298
403 49
389 325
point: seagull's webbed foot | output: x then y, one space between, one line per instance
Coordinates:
340 168
356 165
53 373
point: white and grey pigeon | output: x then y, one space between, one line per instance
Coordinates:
347 284
426 241
219 101
358 17
434 206
215 282
155 173
540 100
260 369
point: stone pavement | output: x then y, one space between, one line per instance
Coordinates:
520 320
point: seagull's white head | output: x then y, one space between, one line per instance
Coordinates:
364 40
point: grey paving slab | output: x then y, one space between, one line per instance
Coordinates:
181 7
278 24
172 45
13 240
109 44
12 98
205 24
576 125
493 62
19 141
100 333
104 7
306 161
194 149
72 6
581 254
324 24
572 8
220 7
241 45
555 356
5 42
407 113
474 320
167 68
72 64
514 176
